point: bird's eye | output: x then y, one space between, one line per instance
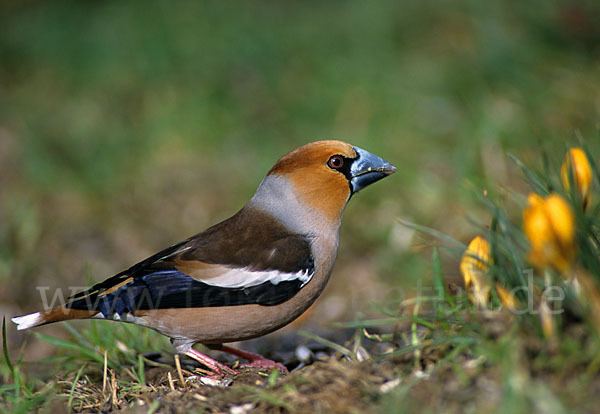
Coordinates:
336 162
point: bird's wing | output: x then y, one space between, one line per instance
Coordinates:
248 259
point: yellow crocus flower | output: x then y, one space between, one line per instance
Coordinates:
473 266
576 165
550 227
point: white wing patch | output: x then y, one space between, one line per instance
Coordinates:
236 278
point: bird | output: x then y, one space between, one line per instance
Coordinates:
246 276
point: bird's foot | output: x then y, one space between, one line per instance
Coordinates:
219 369
254 360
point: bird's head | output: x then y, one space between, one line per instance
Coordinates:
322 176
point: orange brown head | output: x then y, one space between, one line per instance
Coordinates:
325 174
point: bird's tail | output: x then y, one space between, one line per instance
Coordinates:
57 314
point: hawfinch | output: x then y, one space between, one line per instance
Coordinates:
247 276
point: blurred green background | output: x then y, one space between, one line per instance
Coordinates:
127 126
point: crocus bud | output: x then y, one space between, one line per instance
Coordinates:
473 266
576 169
550 227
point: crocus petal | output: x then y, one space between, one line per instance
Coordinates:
507 298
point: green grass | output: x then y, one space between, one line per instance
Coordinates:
438 350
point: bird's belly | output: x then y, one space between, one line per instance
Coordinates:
218 325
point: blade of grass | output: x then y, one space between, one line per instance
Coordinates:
82 340
104 373
72 393
260 394
273 377
415 336
5 349
91 354
534 180
393 321
438 282
16 375
378 337
141 372
434 233
326 342
455 340
373 322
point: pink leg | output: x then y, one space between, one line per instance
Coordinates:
215 366
254 360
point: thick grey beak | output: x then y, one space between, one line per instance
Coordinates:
367 169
